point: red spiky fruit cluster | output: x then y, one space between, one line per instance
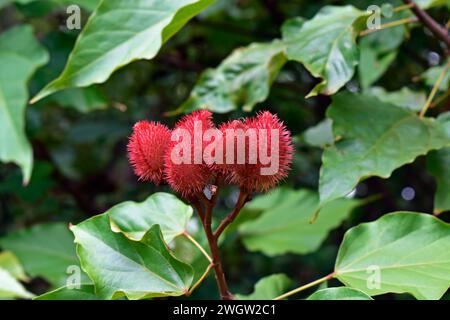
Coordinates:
154 152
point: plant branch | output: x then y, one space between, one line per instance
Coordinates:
438 31
402 7
203 199
206 217
214 248
200 211
388 25
243 198
304 287
217 264
441 99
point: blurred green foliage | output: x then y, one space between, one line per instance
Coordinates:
78 136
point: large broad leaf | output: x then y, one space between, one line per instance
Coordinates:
339 293
285 227
11 288
135 219
373 64
402 252
405 97
326 46
438 164
10 263
45 250
20 56
119 32
377 138
84 292
119 266
240 81
268 288
82 99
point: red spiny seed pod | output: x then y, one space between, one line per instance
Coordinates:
268 154
185 169
231 132
146 149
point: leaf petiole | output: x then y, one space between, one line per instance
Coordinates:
402 7
195 243
200 280
435 89
388 25
304 287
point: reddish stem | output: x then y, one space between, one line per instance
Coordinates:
438 31
243 198
216 260
205 214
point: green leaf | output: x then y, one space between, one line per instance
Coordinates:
268 288
20 56
286 227
377 138
339 293
10 263
45 250
320 135
11 288
119 32
81 99
326 46
119 266
268 200
84 292
135 219
404 98
402 252
240 81
10 271
438 164
372 66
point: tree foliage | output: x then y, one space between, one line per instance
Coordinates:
368 108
